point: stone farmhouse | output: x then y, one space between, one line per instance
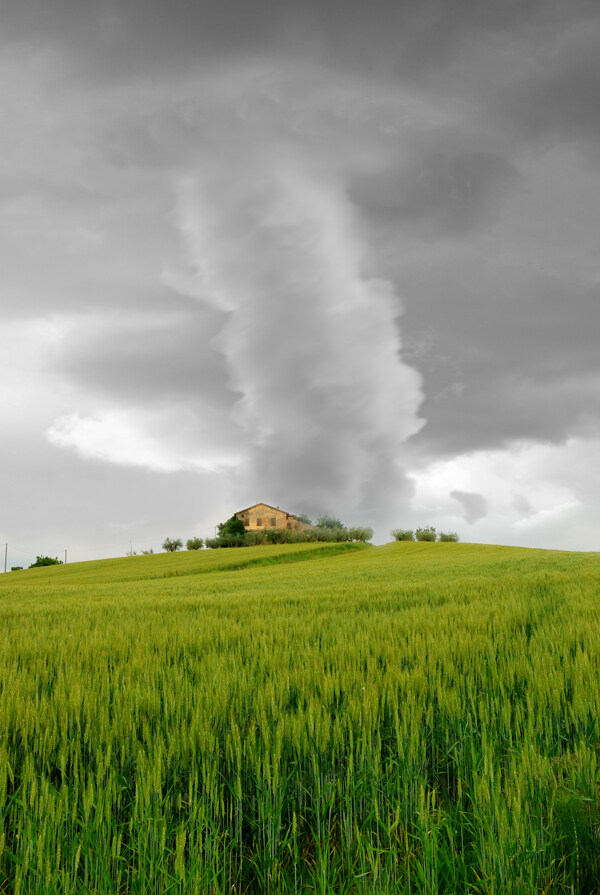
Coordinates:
261 515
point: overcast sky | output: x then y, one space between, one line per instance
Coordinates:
336 257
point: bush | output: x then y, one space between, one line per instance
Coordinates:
45 561
285 536
16 568
329 533
448 536
194 544
403 534
147 552
277 535
172 544
298 537
329 522
227 540
233 526
360 533
426 534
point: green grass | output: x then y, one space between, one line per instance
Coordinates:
188 562
415 718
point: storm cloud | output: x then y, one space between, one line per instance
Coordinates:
335 258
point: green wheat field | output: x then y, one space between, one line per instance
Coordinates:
412 718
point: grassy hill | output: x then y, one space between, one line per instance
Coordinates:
324 718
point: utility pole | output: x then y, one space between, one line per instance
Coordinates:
65 557
5 556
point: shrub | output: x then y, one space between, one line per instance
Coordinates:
329 533
448 536
403 534
425 534
227 540
277 535
194 544
329 522
16 568
233 526
360 533
172 544
298 537
147 552
45 561
233 540
284 536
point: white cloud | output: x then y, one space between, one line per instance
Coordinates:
540 495
132 438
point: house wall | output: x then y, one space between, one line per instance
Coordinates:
269 518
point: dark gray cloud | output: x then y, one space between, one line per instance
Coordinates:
270 240
407 40
557 100
513 357
474 505
148 356
438 194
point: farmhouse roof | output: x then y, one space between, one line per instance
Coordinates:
269 507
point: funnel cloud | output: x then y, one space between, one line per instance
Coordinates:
311 342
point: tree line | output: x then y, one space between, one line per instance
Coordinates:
423 534
233 534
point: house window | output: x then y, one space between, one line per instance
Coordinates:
289 525
273 522
258 523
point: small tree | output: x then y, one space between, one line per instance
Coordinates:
276 535
194 544
302 517
403 534
426 534
233 526
360 533
329 522
172 544
45 561
147 552
228 540
448 536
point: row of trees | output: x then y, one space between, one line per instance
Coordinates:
173 544
423 534
233 534
327 528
